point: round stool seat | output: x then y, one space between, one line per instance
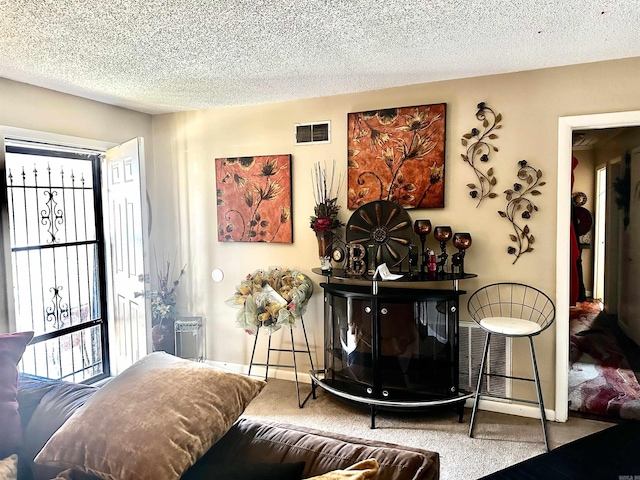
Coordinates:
510 326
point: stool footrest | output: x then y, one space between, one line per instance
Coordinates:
288 350
521 400
272 365
509 376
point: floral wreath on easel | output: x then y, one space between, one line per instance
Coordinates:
271 299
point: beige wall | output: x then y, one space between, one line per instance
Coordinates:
28 107
34 108
184 199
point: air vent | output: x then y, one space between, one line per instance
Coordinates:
471 344
312 133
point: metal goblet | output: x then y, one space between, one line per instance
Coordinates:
461 241
442 234
422 228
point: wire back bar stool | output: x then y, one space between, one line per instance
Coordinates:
513 310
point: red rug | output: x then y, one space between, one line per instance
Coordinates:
601 382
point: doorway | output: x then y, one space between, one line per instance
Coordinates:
79 271
566 127
602 378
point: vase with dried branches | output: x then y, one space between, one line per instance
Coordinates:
324 220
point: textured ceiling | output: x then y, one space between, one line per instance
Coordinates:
161 56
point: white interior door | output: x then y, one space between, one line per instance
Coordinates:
614 236
600 229
130 335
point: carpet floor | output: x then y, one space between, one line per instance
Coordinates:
601 380
500 440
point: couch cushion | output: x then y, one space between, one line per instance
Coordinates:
245 471
57 402
253 440
31 389
12 347
152 421
364 470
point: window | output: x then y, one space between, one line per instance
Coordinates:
57 253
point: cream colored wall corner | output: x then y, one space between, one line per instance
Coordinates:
27 107
34 108
184 199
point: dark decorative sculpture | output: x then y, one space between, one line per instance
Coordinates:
479 148
422 228
461 241
443 235
413 261
519 204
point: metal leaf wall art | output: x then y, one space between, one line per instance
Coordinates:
520 207
479 148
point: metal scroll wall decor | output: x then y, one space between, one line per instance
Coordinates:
520 208
479 148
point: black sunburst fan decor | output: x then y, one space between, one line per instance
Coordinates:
386 226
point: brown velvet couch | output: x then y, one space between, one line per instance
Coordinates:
45 405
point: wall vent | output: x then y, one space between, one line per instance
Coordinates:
472 339
312 133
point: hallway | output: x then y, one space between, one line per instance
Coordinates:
602 381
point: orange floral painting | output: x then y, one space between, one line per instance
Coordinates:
254 199
397 154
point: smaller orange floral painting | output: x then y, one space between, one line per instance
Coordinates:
397 154
254 199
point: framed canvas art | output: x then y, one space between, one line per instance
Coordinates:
254 199
397 154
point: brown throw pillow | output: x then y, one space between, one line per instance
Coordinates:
153 421
12 347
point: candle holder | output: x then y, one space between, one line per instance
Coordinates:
461 241
423 228
443 235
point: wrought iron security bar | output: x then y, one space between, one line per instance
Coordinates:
58 260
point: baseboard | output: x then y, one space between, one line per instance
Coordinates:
258 372
623 327
485 404
509 408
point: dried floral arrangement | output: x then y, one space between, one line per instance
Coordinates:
163 300
325 211
163 306
520 205
271 299
478 150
